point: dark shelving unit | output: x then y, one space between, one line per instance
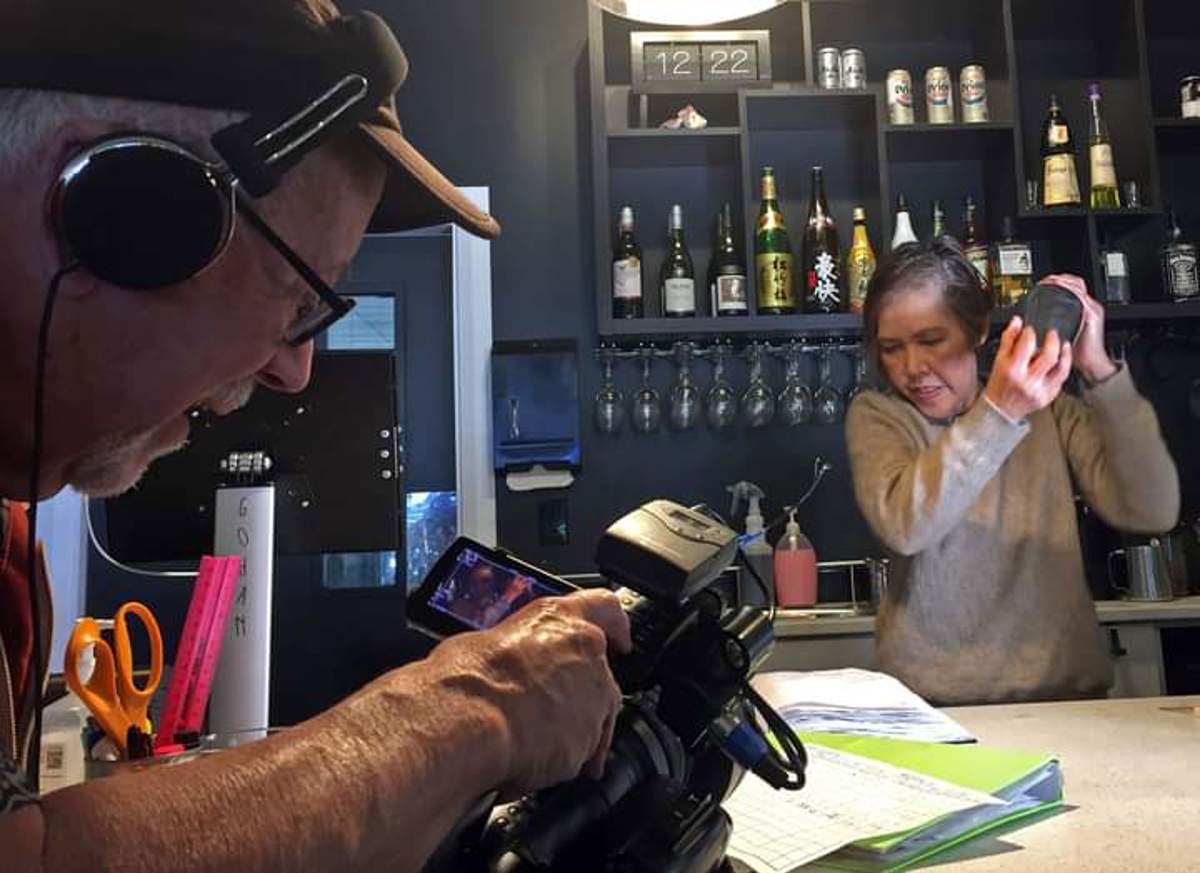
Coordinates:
1138 50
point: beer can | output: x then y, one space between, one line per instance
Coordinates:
1190 92
829 68
939 95
854 68
899 97
972 90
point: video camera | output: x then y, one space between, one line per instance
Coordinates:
687 729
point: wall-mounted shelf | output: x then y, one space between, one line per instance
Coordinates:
1136 50
658 133
946 129
648 329
1177 123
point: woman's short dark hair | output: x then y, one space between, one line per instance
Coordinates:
942 263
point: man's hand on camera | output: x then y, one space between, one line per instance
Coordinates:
545 672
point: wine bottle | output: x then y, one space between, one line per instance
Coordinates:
1179 265
938 221
1104 191
904 229
727 270
773 254
677 280
822 257
1115 265
626 269
1060 184
860 261
974 246
1012 268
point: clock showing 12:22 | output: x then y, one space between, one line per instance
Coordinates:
699 60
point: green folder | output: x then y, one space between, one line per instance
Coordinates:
1031 784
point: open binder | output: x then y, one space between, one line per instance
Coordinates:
1029 784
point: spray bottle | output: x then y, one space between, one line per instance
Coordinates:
755 547
795 567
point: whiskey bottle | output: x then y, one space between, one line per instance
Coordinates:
1012 268
822 257
677 279
1060 184
773 254
1179 265
626 269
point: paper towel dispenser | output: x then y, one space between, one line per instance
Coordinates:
535 405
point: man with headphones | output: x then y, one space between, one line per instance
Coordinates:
180 184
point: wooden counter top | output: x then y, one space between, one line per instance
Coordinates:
1131 770
793 623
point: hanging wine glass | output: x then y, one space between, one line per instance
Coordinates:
685 397
722 402
828 402
647 412
796 399
758 403
609 401
860 375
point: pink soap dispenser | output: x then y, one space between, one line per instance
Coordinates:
795 567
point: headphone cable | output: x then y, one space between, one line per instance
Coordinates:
37 663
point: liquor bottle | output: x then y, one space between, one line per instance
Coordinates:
822 257
627 269
1104 191
974 245
727 270
1180 278
677 280
1115 266
1012 268
904 229
1060 184
773 254
938 221
860 261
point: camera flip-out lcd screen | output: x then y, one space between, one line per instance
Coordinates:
473 587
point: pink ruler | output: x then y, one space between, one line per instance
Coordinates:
199 648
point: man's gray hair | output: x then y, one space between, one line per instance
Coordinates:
29 118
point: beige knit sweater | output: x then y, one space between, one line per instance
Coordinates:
988 600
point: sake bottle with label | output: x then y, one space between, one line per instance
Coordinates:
860 261
773 254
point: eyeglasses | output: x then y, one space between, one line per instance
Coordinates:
330 306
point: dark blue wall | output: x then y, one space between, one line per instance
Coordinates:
510 110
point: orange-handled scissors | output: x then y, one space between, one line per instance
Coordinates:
110 693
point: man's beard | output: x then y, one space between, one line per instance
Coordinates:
117 463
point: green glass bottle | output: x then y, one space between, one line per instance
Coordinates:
773 254
1104 191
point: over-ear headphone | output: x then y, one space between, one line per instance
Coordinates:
141 211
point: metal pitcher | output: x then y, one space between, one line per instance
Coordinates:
1148 576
